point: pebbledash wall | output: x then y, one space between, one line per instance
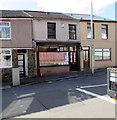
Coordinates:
20 43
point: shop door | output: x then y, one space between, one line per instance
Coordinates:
73 62
21 64
86 57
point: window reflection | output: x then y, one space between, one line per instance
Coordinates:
53 58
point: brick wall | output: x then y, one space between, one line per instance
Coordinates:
54 70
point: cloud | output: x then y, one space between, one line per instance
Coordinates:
17 4
66 6
73 6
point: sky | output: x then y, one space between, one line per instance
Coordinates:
103 8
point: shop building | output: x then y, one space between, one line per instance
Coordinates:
56 39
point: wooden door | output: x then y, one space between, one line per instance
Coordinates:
86 57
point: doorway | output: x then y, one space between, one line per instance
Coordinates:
73 61
21 64
86 58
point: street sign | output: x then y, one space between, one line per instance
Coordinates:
112 82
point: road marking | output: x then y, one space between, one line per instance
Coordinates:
96 95
24 111
90 86
21 105
4 87
19 101
50 82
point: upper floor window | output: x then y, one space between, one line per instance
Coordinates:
51 30
5 30
5 58
104 31
103 54
72 32
89 30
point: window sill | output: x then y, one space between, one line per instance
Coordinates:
72 39
90 38
49 39
104 39
5 38
53 66
6 67
102 60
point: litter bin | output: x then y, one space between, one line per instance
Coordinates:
112 82
15 76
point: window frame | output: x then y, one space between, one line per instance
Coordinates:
89 28
6 27
70 31
59 49
106 29
1 55
101 50
54 60
48 32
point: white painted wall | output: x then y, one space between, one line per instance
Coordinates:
62 29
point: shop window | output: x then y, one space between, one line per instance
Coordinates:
51 30
102 54
104 31
53 58
52 49
5 58
5 30
89 30
72 32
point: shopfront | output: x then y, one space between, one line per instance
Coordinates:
55 57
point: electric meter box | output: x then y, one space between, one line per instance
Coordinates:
112 82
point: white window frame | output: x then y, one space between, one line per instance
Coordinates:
6 27
101 50
1 55
89 32
105 28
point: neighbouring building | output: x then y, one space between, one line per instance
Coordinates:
104 37
16 49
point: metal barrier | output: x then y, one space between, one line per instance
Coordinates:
112 82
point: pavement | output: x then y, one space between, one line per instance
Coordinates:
35 80
84 109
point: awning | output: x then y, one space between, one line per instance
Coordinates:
57 43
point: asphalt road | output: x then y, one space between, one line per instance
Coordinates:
84 97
